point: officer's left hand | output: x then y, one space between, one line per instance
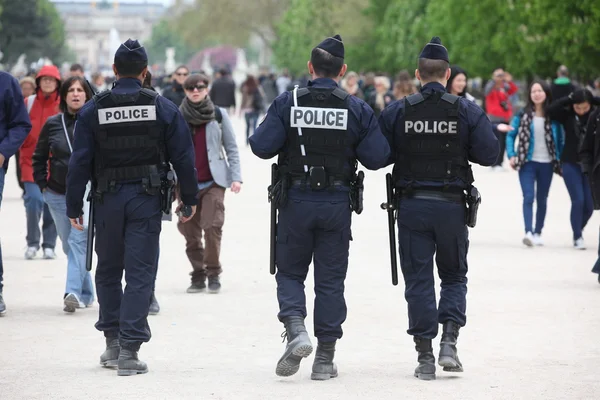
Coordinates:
77 223
236 187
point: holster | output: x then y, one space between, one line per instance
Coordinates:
356 192
167 192
278 192
473 201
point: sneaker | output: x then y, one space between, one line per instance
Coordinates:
537 239
528 239
30 253
197 287
72 303
214 285
2 306
49 254
579 244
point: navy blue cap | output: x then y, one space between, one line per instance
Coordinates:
434 50
131 51
333 45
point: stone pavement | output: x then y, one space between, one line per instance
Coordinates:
531 334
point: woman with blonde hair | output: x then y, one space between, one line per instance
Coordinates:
350 85
382 96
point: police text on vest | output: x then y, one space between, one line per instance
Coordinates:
117 115
319 118
449 127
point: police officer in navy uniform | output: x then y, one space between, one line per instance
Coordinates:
124 141
318 132
433 136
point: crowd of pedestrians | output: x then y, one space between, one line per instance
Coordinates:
554 133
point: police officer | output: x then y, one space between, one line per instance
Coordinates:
318 132
433 136
124 140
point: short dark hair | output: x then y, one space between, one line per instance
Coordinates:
432 69
130 69
76 67
325 64
195 79
182 67
64 90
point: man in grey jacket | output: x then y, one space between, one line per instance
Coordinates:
218 166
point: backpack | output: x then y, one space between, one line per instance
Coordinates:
30 101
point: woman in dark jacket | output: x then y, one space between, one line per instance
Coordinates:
572 112
54 149
589 153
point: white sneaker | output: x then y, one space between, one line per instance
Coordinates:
528 239
30 253
537 239
579 244
49 254
499 168
72 303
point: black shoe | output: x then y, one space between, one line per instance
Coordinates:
154 306
110 357
323 367
2 306
129 364
298 346
426 368
448 354
598 282
214 285
197 286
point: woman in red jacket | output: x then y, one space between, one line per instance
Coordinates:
42 105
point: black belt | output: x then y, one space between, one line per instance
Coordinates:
301 182
454 196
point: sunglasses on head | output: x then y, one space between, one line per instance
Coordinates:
199 86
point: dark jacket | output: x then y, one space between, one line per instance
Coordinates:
14 120
174 92
589 154
222 92
562 111
52 146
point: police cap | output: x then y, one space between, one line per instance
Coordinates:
131 52
333 45
434 50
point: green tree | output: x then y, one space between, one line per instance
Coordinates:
165 35
31 27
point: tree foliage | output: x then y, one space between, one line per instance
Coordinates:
164 35
33 28
528 38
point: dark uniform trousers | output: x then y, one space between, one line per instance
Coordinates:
128 225
425 228
320 229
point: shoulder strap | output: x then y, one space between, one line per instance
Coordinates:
148 93
415 98
30 101
450 98
340 93
302 92
218 114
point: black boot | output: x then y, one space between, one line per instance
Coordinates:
298 346
130 364
154 306
110 357
448 354
324 368
426 369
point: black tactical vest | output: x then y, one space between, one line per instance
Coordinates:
430 148
130 144
323 116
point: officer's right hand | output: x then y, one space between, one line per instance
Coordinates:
513 162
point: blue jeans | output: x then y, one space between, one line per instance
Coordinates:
34 208
535 181
251 120
74 243
582 203
2 175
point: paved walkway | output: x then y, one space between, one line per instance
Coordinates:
532 332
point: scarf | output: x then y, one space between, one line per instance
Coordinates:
197 113
524 135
